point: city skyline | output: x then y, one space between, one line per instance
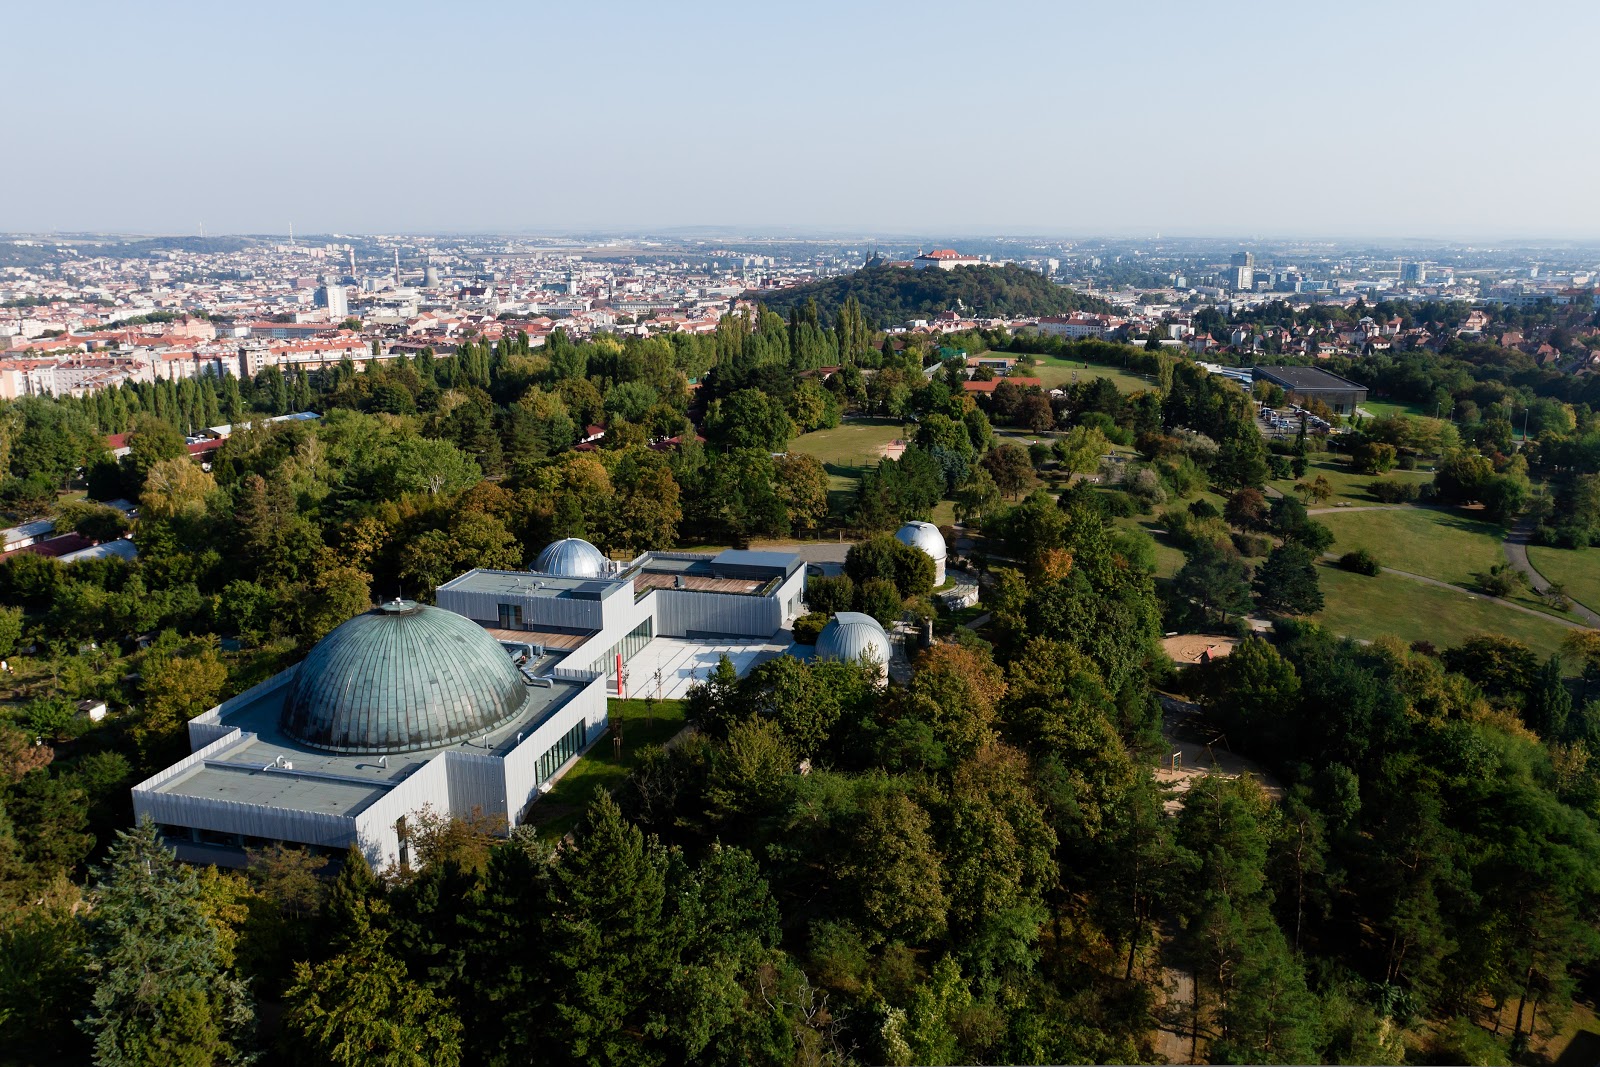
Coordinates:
1240 119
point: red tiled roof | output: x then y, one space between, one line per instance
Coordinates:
58 546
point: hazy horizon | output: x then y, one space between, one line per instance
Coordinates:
1237 121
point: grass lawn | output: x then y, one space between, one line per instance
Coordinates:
1446 545
1382 408
1168 559
1348 486
1577 569
1366 608
1434 543
846 450
1055 372
559 811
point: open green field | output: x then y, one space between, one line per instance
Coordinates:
1383 408
846 450
1431 542
1055 372
1348 486
1365 608
559 811
1576 569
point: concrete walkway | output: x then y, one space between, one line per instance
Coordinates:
1516 549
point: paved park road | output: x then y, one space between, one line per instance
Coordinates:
1516 546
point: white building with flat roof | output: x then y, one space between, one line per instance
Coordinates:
473 706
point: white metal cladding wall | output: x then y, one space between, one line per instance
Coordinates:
317 828
791 594
230 816
680 613
475 781
426 787
521 764
537 611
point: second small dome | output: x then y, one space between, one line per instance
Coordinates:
571 557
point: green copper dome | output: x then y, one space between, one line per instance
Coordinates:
400 678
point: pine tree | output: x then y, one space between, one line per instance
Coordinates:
1548 702
161 993
609 952
1287 581
353 890
361 1007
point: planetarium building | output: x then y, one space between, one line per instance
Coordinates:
473 706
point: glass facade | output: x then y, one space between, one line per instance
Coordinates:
570 745
629 647
511 616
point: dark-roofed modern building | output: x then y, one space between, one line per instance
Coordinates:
1305 384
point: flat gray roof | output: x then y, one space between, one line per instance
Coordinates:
785 562
527 583
327 781
1306 378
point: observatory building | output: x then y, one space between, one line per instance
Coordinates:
850 635
925 536
473 705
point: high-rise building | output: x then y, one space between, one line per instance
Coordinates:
1413 273
332 296
1243 274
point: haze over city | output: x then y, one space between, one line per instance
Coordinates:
799 535
1450 120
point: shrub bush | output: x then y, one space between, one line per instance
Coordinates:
1118 505
1361 562
807 627
1255 546
828 595
1395 492
881 600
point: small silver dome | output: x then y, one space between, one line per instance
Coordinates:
923 535
849 635
571 557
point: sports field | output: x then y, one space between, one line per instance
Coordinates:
848 449
1055 372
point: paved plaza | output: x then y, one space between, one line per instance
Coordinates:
682 663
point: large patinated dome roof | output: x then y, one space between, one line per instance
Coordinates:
401 678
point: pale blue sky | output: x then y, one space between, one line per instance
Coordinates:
1224 118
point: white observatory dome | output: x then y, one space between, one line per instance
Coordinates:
925 537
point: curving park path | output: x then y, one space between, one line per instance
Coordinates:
1425 580
1516 549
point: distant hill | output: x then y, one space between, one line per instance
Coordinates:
894 294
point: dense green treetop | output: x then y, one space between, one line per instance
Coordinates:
888 295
